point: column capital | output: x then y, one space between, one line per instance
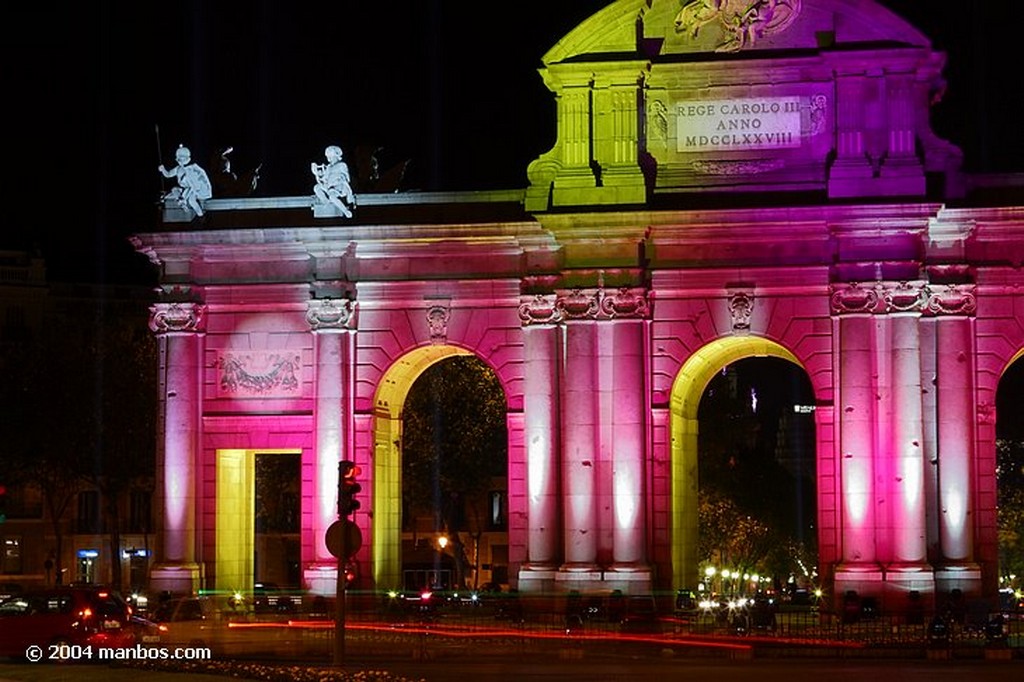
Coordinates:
853 297
585 304
328 314
177 318
952 299
908 296
539 309
903 297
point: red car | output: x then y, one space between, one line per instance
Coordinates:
73 616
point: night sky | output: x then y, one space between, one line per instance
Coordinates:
87 86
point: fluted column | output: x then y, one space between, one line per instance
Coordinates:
179 327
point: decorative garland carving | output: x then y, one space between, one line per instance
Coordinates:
328 313
437 320
171 318
260 373
737 167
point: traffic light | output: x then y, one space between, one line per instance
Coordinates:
348 486
3 503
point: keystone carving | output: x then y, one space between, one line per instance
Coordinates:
328 313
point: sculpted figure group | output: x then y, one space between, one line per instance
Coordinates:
333 182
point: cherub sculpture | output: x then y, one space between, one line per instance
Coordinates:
333 184
193 183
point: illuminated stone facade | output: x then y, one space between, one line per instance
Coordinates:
641 260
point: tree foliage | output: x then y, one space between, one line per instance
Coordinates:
756 514
80 411
1010 496
454 443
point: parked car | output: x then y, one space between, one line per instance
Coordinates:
64 615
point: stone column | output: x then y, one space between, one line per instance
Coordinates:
579 445
856 414
907 458
628 429
956 418
328 320
541 346
179 327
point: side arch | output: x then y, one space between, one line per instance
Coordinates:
687 390
387 461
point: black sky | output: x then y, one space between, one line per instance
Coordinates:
88 85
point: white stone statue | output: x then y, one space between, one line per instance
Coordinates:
333 183
193 183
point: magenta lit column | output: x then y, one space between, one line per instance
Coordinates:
628 440
579 445
856 415
328 320
907 474
540 413
179 327
956 418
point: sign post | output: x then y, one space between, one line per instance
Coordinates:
343 540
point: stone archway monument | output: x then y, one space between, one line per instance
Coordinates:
728 180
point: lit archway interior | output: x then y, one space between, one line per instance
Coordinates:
1009 474
387 461
687 390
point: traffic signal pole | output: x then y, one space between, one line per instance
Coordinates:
348 486
339 605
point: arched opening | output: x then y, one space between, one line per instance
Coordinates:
389 500
687 392
1010 483
454 477
757 505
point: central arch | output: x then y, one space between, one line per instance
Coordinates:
387 460
687 390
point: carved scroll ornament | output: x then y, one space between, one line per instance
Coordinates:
170 318
327 314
